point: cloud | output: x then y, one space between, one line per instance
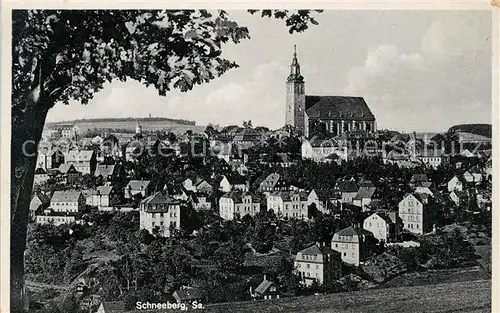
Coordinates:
447 81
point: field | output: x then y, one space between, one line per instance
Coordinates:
470 296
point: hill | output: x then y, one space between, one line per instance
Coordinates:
447 297
129 123
478 129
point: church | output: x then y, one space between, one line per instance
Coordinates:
338 114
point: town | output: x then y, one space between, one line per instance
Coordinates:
327 203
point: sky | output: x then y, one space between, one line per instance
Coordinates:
418 71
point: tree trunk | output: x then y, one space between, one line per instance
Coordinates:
27 128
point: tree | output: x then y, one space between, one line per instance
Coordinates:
63 55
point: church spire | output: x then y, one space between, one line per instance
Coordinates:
295 67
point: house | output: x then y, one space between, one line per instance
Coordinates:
364 197
201 202
48 159
67 201
414 211
385 226
84 161
318 263
347 190
68 130
160 213
238 204
233 182
456 183
265 290
100 197
109 172
178 192
354 244
239 167
432 158
198 185
112 307
472 178
134 187
288 204
323 199
273 182
428 188
318 149
69 173
187 294
418 179
41 176
247 138
48 216
458 197
39 202
395 157
97 140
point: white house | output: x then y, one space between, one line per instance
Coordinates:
288 204
385 226
237 203
160 214
233 182
456 183
413 210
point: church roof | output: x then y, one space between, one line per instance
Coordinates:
338 107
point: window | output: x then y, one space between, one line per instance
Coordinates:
308 266
317 266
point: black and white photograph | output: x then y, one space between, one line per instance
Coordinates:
249 160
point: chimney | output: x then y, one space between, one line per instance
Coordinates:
265 277
318 244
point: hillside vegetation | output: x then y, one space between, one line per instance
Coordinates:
478 129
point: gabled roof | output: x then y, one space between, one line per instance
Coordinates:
248 134
113 306
263 286
159 198
236 179
67 168
237 196
418 178
79 156
324 194
338 107
43 197
188 294
104 190
365 193
316 250
65 196
105 170
137 184
287 195
346 186
351 231
40 171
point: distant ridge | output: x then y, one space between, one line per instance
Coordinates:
478 129
125 119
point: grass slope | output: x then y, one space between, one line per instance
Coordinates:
471 296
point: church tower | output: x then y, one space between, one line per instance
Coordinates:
295 96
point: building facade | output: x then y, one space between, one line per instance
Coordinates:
238 204
160 214
354 244
318 263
